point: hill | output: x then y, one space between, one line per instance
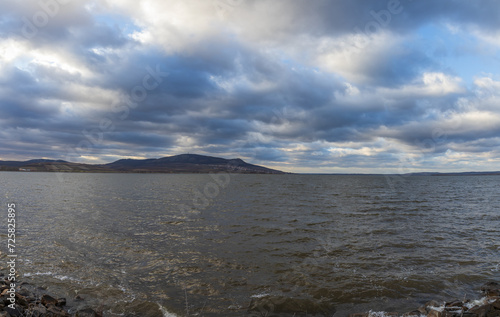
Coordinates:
184 163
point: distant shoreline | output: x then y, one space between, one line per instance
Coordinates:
2 169
183 163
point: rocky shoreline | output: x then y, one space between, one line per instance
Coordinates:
488 306
35 302
25 300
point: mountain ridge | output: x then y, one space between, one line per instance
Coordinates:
182 163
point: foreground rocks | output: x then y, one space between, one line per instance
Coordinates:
29 303
488 306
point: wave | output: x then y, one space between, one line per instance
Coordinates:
54 275
165 312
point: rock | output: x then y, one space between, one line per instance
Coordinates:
4 314
496 304
481 311
491 289
21 300
385 314
38 311
432 303
78 298
434 313
54 311
87 312
428 306
467 314
422 310
48 300
23 291
61 302
415 313
455 303
16 312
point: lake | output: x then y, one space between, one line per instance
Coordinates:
253 245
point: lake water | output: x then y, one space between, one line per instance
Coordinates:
215 245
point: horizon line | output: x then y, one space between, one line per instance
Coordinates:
300 173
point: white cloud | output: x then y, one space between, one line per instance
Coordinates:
436 83
11 50
347 54
174 25
487 87
489 37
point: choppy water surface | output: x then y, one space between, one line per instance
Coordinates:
128 244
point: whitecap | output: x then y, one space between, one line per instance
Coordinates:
479 302
54 275
496 268
260 295
165 312
37 273
376 314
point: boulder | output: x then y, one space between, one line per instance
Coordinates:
491 289
468 314
496 304
455 303
434 313
78 298
23 291
415 313
48 300
430 304
481 311
38 311
61 302
21 300
54 311
14 312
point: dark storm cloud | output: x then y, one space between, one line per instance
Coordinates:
392 70
140 139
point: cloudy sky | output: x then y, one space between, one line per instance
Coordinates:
300 85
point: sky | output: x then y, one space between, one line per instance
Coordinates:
345 86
